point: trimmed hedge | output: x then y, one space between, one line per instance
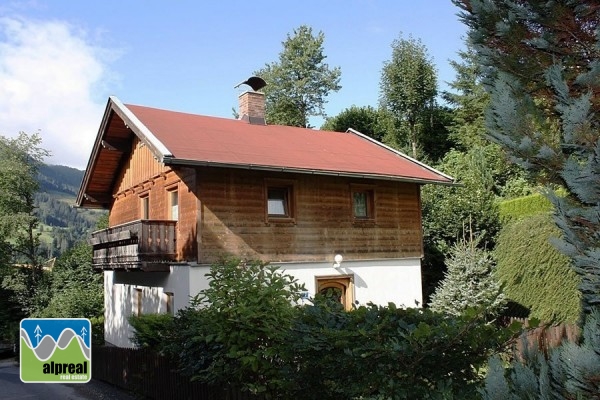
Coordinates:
535 274
521 207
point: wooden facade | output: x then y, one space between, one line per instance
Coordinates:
223 212
234 221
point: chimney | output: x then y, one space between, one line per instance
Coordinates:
252 107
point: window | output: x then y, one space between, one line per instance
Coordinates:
337 288
174 205
280 202
169 303
138 302
363 203
145 207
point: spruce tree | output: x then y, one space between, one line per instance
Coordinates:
469 282
541 63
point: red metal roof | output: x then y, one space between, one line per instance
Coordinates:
201 139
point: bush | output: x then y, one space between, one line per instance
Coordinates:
534 274
388 353
245 330
151 330
240 323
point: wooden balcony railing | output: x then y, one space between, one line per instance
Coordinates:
142 244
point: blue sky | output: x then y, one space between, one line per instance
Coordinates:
60 60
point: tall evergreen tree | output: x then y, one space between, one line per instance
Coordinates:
298 84
541 64
408 90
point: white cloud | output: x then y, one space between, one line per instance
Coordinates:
52 80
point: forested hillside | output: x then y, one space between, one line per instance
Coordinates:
62 225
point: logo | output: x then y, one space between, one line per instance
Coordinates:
56 350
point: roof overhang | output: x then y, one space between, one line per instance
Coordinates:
112 145
196 163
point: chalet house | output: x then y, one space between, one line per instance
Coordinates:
336 210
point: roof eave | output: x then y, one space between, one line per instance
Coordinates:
159 150
196 163
401 154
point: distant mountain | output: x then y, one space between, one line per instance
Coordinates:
60 179
62 225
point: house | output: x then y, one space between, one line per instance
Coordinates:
336 210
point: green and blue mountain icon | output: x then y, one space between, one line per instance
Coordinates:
55 350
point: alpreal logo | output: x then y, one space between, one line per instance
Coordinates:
56 350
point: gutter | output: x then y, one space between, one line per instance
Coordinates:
194 163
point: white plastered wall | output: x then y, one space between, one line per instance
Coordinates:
377 281
121 297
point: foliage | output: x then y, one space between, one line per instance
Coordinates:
76 290
435 140
245 330
523 207
571 371
22 279
151 330
367 120
468 208
534 273
467 127
298 84
246 315
469 100
97 330
542 68
408 89
469 282
387 353
451 212
20 159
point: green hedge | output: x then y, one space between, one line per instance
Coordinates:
521 207
534 273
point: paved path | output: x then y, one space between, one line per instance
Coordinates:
11 388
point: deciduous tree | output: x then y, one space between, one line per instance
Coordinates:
367 120
408 89
20 159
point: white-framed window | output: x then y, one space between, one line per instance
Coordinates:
280 201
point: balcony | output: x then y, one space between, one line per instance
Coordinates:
147 245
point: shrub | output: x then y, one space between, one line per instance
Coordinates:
151 330
245 316
388 353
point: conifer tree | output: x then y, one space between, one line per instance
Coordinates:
541 63
469 282
298 84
